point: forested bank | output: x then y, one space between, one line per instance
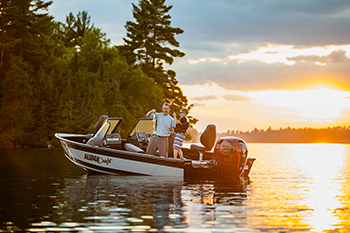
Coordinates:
294 135
60 77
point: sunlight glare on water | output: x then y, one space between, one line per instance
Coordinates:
322 164
293 188
302 187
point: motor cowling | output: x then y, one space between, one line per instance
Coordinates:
231 155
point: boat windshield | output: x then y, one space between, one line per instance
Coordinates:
103 130
115 121
98 138
143 124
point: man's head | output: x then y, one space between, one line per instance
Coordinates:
166 108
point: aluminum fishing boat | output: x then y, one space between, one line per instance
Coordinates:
224 160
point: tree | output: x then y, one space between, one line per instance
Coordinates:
16 113
6 35
25 45
59 77
145 46
76 27
32 27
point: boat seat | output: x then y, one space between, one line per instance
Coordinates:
98 125
114 141
207 140
100 122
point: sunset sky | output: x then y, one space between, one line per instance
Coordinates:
250 63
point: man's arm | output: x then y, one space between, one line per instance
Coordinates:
148 114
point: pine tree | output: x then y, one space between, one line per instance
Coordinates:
33 29
25 45
16 118
76 27
146 43
7 39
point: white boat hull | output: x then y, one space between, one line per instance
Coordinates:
112 161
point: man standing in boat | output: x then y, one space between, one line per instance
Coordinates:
163 124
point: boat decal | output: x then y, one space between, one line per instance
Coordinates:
101 169
97 159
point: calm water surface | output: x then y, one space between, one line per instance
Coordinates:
293 188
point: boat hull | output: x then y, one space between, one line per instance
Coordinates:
106 160
113 161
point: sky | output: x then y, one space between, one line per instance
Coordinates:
250 64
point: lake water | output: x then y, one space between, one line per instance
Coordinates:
293 188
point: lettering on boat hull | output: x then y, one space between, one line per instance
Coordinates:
97 159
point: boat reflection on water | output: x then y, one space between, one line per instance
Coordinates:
112 203
222 206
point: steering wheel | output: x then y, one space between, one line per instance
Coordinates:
140 136
147 138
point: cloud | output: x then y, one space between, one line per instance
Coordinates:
312 58
196 104
237 97
288 54
228 97
227 42
210 25
313 22
339 56
204 98
271 70
334 57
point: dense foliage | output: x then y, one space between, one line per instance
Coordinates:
60 77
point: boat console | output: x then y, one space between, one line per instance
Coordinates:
107 135
141 133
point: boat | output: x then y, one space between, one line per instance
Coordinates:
105 151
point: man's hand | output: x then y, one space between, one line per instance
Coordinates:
150 112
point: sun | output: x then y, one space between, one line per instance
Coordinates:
317 105
321 104
314 83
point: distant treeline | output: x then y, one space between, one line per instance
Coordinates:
336 134
60 77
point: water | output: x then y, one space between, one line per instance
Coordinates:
293 188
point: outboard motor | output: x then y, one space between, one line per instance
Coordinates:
227 163
231 155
